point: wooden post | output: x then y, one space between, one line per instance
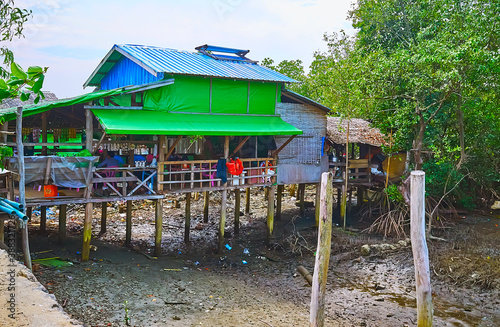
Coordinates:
128 224
2 228
419 248
237 200
29 212
223 202
206 204
43 219
360 195
317 205
104 216
44 132
63 209
89 130
302 191
22 183
158 226
87 231
247 201
187 224
322 253
270 212
279 200
5 128
161 158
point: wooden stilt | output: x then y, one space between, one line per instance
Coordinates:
63 209
237 200
206 204
247 201
2 228
22 183
318 203
43 219
270 212
302 191
223 211
161 158
320 275
360 196
29 213
293 189
128 224
87 231
419 248
104 216
187 225
279 200
158 226
196 196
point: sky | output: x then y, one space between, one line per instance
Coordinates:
71 37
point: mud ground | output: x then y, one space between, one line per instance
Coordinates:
192 285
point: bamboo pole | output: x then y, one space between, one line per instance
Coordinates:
158 226
322 253
22 183
302 191
247 201
104 216
279 200
128 224
237 200
206 204
187 222
419 248
87 231
270 212
223 202
63 210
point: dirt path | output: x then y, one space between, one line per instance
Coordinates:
191 285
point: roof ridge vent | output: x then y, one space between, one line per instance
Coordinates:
223 53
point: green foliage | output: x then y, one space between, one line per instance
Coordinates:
394 194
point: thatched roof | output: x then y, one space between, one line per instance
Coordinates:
360 131
16 102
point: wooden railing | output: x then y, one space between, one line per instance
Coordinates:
125 181
358 171
202 174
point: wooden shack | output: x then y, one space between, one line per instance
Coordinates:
192 112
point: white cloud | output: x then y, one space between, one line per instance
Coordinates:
71 37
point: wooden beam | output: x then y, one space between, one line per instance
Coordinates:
47 144
187 223
240 145
320 274
158 226
206 204
87 231
172 148
63 209
237 200
419 248
104 216
128 224
2 228
318 203
99 143
115 107
277 151
5 131
270 213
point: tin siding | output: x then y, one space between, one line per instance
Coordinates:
125 73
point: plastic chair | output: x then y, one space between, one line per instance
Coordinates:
107 174
210 175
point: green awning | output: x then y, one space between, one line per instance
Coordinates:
149 122
10 113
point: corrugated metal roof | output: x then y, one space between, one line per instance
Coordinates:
163 60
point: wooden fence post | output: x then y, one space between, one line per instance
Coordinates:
158 226
187 221
301 195
322 253
87 231
104 216
279 200
206 204
128 224
419 247
247 201
317 204
270 212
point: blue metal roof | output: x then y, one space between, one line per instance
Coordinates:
163 60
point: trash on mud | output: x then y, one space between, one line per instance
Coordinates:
172 269
55 262
244 262
245 251
228 247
